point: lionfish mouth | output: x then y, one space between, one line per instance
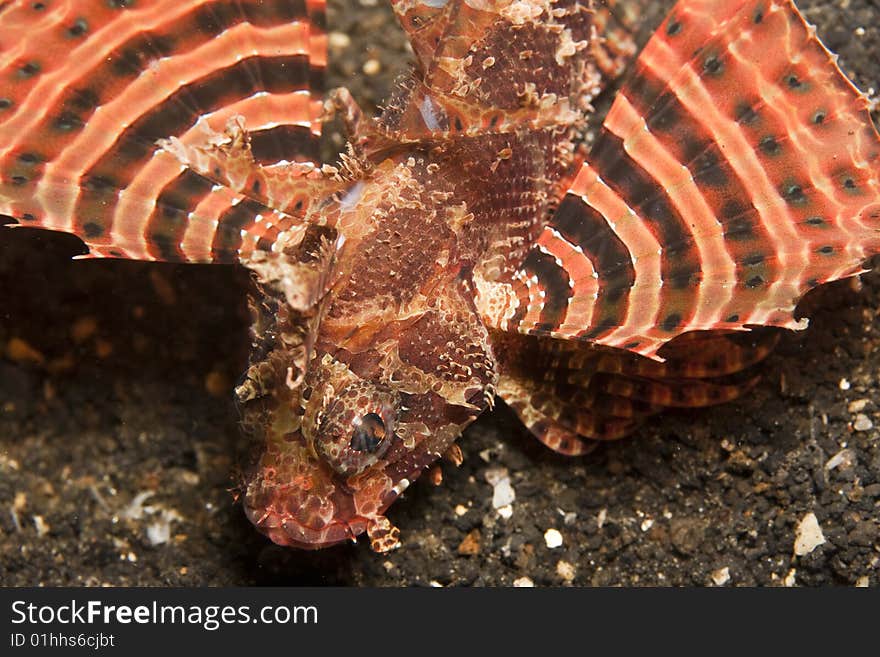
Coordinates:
306 505
308 513
289 531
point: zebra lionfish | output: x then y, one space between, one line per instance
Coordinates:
466 246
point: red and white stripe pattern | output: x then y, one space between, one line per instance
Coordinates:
737 170
87 89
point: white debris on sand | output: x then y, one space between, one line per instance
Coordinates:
844 384
553 538
790 579
844 459
505 511
568 517
338 40
136 510
721 576
158 533
523 583
503 494
41 526
565 571
863 423
600 519
808 535
159 530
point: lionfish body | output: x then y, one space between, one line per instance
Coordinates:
467 247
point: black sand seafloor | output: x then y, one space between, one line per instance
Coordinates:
118 433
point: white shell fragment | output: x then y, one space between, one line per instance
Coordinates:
808 535
553 538
721 576
503 494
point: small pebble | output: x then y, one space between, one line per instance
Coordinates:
338 40
808 535
553 538
158 533
460 510
83 329
19 351
523 582
863 582
41 526
857 406
503 493
566 571
863 423
844 384
844 458
721 576
790 578
470 546
103 348
372 67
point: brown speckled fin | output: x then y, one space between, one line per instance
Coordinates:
736 170
562 426
561 387
94 86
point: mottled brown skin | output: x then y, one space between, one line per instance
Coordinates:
464 216
355 395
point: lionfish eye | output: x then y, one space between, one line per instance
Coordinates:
368 433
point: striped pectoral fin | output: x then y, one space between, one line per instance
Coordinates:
563 424
674 393
696 355
91 88
551 433
563 390
737 170
555 435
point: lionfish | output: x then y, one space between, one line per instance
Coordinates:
467 245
